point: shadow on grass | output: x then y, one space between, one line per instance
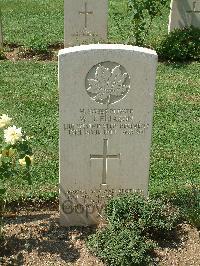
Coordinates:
176 65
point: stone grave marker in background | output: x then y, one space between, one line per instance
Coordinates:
184 13
85 21
106 110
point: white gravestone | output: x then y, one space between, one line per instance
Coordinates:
106 110
184 13
85 21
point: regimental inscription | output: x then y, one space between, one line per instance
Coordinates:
105 156
107 83
86 13
106 122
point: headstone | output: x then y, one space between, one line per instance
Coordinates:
184 13
106 110
85 21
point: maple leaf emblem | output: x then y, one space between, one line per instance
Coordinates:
109 85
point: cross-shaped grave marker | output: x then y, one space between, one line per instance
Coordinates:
85 21
86 13
105 156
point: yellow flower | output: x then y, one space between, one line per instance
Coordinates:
12 135
11 152
4 120
5 153
8 153
22 162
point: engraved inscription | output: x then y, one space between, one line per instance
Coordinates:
105 122
105 156
85 33
107 83
88 202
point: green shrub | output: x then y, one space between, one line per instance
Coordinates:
141 14
150 216
134 223
181 45
121 247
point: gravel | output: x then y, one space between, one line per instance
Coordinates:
34 237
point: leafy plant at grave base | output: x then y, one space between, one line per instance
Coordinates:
181 45
15 155
134 224
141 14
121 247
150 216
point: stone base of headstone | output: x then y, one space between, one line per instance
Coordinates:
82 208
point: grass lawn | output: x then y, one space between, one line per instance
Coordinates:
27 22
40 23
30 95
175 147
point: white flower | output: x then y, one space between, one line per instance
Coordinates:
4 120
12 135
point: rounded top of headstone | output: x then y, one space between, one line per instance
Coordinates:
122 47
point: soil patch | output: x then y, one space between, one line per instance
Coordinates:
34 237
18 53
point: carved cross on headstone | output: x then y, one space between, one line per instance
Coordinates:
105 156
86 13
194 9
